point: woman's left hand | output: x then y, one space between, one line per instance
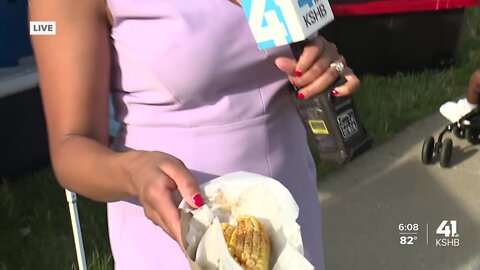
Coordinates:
313 72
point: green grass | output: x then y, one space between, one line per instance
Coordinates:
35 230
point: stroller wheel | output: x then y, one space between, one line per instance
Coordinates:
458 132
469 136
446 152
427 150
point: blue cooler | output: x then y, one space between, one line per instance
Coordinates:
14 32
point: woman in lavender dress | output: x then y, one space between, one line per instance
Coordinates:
196 99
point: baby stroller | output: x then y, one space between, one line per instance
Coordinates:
468 127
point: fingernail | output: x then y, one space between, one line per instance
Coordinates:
335 92
298 73
300 95
198 200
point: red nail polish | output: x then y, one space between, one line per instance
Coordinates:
300 95
298 73
335 92
198 200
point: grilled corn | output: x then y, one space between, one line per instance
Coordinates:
248 243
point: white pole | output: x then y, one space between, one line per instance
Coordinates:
77 231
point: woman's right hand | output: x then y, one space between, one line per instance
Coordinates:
155 176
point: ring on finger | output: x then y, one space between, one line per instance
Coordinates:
339 66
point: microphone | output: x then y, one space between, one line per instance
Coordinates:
332 122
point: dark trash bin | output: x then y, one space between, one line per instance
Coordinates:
23 136
23 139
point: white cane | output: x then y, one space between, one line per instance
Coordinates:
77 231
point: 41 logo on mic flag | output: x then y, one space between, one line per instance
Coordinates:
280 22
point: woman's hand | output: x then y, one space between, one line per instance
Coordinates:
155 176
313 72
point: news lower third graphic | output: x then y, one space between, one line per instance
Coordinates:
43 28
446 234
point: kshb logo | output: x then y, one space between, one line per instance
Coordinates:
448 229
43 28
313 15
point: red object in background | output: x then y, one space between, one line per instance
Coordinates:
398 6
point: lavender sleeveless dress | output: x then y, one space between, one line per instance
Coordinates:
190 81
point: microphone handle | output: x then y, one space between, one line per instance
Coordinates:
297 49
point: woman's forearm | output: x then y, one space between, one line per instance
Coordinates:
91 169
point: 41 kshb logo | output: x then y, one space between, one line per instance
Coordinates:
280 22
448 228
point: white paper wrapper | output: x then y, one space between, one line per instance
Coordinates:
237 194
